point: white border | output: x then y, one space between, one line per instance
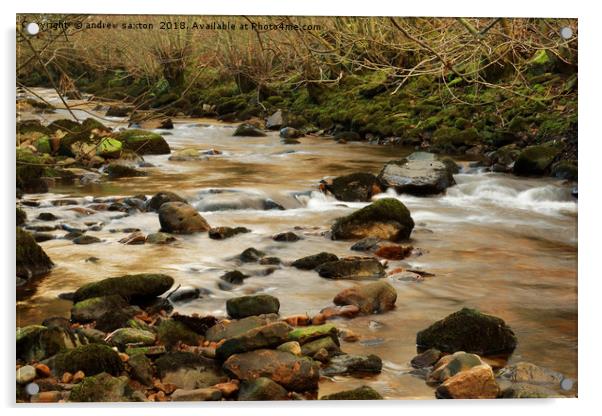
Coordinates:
590 128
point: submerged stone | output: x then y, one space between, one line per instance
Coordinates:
136 287
361 393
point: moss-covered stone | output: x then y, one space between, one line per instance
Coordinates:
37 342
244 306
386 218
124 336
143 142
104 388
535 160
248 130
92 359
355 187
118 170
32 261
267 336
135 287
109 312
313 261
352 268
309 333
21 216
42 145
30 170
109 148
170 333
565 169
449 139
361 393
471 331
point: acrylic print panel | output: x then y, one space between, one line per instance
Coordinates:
281 208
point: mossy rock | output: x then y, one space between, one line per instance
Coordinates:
124 336
30 170
565 169
355 187
176 360
248 130
109 148
361 393
244 306
313 261
21 216
28 126
471 331
536 160
386 218
42 145
65 125
170 333
143 142
261 389
118 170
104 388
109 312
37 342
136 287
32 261
92 359
309 333
449 139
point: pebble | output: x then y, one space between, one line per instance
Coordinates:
67 378
78 377
26 374
43 370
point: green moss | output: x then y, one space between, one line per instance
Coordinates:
136 287
536 160
361 393
102 388
109 147
92 359
170 333
309 333
143 142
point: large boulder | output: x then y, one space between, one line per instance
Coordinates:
313 261
181 218
244 306
32 261
417 175
136 287
270 335
352 268
468 330
386 218
143 142
536 160
475 383
376 297
355 187
291 372
92 359
275 121
109 312
161 198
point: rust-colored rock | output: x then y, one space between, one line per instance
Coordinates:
475 383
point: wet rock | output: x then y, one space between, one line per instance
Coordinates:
171 333
361 393
41 237
248 130
346 311
141 368
367 244
221 233
309 333
386 218
233 199
118 170
377 297
275 121
324 346
270 335
468 330
109 312
565 169
92 359
261 389
244 306
290 133
352 268
535 160
187 370
524 372
286 237
47 216
21 216
292 347
143 142
181 218
393 251
417 176
353 364
160 238
475 383
269 260
104 388
161 198
186 155
426 359
291 372
348 136
251 255
37 342
119 111
355 187
32 261
154 350
107 148
197 395
450 365
137 288
526 391
26 374
135 238
197 324
124 336
86 239
185 294
313 261
229 329
234 277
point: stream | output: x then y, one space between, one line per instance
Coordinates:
502 244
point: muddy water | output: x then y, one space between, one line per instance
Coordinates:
504 245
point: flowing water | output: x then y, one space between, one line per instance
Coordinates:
495 242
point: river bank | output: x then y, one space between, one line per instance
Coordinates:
493 242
